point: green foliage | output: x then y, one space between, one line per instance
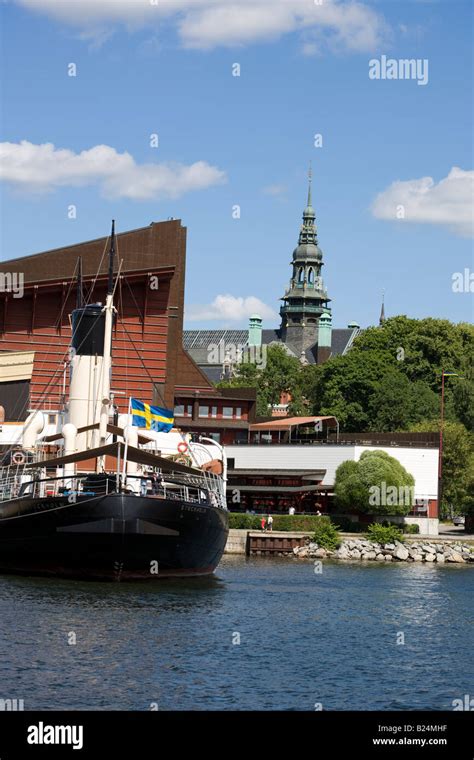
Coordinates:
281 373
244 521
396 403
326 534
411 528
384 534
376 474
458 465
391 377
304 523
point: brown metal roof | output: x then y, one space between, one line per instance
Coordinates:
285 423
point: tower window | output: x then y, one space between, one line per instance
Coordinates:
311 275
301 275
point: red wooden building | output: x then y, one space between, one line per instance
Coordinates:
149 361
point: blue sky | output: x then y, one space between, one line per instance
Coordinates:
247 141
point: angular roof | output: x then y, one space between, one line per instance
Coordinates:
198 342
285 423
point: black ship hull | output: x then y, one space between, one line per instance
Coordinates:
112 537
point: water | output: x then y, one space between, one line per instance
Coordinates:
305 638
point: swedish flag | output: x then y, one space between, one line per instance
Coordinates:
151 417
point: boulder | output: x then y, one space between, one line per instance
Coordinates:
380 558
430 557
321 553
417 557
401 552
388 557
440 557
454 557
355 554
391 547
369 555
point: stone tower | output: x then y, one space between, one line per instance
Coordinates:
306 299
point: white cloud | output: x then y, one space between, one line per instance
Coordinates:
228 308
42 168
448 202
206 24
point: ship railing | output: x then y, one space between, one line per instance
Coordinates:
32 486
196 490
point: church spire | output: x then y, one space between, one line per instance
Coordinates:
382 310
308 232
310 179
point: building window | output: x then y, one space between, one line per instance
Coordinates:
51 419
227 412
203 411
213 411
238 412
311 275
179 410
301 275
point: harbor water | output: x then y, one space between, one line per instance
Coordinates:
262 634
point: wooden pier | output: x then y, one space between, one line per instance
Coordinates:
274 542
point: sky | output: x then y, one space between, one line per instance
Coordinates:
210 111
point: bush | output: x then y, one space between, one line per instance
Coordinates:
303 523
326 534
244 521
384 534
411 528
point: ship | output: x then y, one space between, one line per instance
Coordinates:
102 499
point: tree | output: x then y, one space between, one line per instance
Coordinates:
377 484
420 348
344 386
279 374
463 394
398 403
458 463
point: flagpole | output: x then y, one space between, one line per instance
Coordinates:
124 472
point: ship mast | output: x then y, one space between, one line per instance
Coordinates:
107 363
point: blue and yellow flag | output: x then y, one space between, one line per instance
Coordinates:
151 417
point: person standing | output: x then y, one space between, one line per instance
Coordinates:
270 523
263 522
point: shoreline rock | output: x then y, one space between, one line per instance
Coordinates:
369 551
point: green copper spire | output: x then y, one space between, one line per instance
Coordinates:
308 232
